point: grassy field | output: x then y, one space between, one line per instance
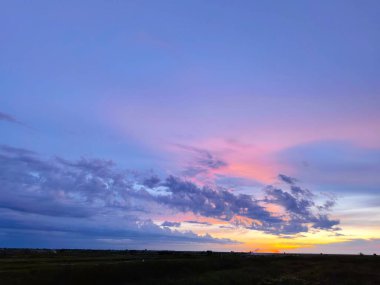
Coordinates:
151 267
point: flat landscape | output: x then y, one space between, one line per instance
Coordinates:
25 266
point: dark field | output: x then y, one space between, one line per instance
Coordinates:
154 267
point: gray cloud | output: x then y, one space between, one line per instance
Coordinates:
11 119
298 204
132 230
8 118
199 223
16 151
301 209
209 202
91 189
204 157
151 182
287 179
328 205
210 161
58 195
171 224
203 161
323 222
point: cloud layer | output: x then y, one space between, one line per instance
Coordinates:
93 197
300 211
87 198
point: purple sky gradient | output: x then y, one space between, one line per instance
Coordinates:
220 95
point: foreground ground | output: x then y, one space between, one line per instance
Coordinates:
148 267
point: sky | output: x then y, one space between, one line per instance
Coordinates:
190 125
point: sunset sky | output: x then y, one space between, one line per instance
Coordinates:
190 125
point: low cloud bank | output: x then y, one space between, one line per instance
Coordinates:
94 197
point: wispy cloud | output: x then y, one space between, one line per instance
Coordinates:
8 118
342 166
11 119
287 179
199 223
202 161
171 224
